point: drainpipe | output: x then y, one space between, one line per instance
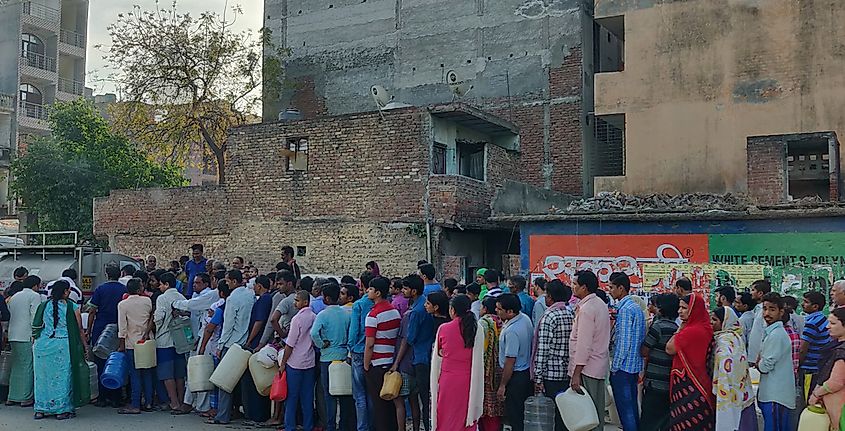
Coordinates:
427 137
428 239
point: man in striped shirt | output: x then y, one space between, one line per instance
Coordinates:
381 331
815 336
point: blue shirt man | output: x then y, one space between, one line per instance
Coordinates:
104 301
330 333
260 313
236 316
194 267
360 309
431 288
428 273
356 342
816 336
527 303
517 284
775 368
630 331
419 335
420 332
515 341
317 305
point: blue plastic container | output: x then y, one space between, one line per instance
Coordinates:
115 371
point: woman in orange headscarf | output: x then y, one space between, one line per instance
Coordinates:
692 406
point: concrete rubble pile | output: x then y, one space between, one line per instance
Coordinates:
610 202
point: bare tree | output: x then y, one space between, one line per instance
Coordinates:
186 79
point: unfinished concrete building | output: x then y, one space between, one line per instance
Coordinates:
520 60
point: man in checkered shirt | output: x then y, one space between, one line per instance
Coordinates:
551 351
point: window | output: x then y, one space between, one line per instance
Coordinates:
30 94
808 166
471 159
609 146
297 154
609 44
438 159
30 43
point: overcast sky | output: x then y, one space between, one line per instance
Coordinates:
101 13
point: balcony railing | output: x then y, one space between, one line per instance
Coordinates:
71 86
72 38
40 61
7 102
41 11
33 110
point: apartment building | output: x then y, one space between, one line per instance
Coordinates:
42 60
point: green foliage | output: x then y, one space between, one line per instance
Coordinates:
59 176
417 229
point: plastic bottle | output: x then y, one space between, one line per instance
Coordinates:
5 367
814 418
92 375
114 371
340 379
539 413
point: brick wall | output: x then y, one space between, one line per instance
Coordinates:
332 247
362 197
359 166
563 128
338 247
767 170
164 222
183 211
459 200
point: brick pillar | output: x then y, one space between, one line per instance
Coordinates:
767 176
510 264
455 267
835 174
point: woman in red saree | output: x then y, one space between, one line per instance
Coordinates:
692 406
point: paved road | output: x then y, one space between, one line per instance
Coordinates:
95 419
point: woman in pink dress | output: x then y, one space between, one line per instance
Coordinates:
457 370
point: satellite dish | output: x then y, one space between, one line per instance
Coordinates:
457 85
452 77
380 96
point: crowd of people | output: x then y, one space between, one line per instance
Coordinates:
469 356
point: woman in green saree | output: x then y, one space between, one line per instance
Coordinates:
61 373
